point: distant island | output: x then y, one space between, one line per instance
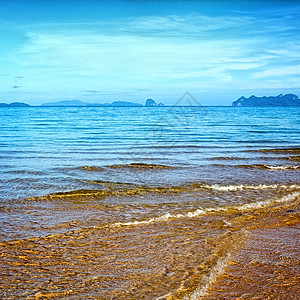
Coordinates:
149 102
66 103
78 103
280 100
252 101
14 104
81 103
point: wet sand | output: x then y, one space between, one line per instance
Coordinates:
266 267
195 257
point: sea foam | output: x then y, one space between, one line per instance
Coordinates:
218 187
203 211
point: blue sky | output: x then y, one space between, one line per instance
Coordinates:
101 51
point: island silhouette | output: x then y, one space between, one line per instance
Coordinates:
79 103
280 100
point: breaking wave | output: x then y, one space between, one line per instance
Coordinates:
249 187
268 167
126 189
203 211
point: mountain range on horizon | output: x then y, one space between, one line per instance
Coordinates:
79 103
280 100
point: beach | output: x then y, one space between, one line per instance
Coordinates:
183 203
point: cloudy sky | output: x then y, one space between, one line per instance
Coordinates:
101 51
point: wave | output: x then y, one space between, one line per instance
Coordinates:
119 189
283 167
240 187
297 158
203 211
91 168
268 167
24 172
289 150
139 166
111 189
228 158
125 166
265 203
113 184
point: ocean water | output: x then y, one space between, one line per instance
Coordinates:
149 203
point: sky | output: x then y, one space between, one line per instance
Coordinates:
104 51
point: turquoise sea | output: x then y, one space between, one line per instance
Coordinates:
145 202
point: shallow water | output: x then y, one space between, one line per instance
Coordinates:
146 203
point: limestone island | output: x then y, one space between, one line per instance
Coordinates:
151 102
280 100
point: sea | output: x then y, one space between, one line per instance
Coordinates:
149 202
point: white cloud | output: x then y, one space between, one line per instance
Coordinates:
129 58
278 71
155 52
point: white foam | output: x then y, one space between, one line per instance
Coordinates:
283 167
203 211
165 217
265 203
248 187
